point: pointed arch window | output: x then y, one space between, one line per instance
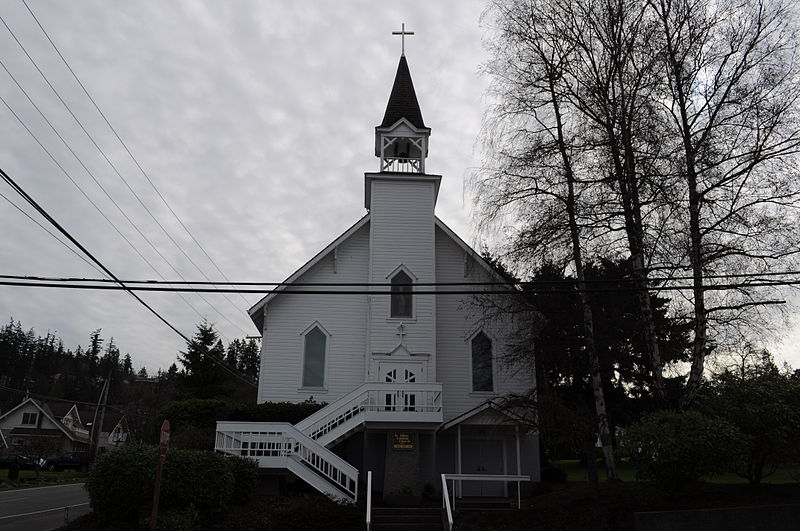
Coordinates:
482 365
401 295
314 345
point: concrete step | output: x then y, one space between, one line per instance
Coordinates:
406 518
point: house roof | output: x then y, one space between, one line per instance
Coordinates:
110 421
403 99
257 316
48 413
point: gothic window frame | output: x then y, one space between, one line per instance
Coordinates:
402 269
316 325
492 365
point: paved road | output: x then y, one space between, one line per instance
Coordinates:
41 508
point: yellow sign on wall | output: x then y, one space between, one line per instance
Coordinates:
402 441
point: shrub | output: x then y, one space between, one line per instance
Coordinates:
245 477
185 519
676 449
202 478
121 483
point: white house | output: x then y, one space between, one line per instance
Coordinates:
36 428
409 375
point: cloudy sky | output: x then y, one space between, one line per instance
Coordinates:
253 119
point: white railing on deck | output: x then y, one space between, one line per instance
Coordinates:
369 499
402 164
446 509
486 477
380 402
271 443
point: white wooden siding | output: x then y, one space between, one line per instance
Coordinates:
343 316
402 233
456 322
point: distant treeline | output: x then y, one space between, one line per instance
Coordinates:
41 366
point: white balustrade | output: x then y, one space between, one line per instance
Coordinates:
272 444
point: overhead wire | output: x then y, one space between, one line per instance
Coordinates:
17 188
300 291
91 201
94 178
59 240
125 146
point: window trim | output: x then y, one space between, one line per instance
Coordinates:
471 358
413 317
328 336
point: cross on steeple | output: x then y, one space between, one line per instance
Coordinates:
403 34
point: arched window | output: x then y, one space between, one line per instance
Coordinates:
314 358
401 295
482 367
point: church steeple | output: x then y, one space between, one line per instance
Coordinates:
401 140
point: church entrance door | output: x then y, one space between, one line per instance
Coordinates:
482 456
398 372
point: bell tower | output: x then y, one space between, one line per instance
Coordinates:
401 198
401 140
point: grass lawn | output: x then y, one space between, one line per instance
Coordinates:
27 478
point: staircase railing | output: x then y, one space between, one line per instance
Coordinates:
369 500
272 443
447 511
377 401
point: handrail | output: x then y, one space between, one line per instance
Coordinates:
289 441
448 511
369 499
487 477
361 399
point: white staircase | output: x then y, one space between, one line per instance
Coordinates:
302 449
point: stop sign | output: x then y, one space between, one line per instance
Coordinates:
164 445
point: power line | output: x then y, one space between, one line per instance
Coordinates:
59 240
543 283
7 178
91 174
86 196
509 291
124 145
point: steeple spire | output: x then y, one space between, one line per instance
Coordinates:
401 141
403 99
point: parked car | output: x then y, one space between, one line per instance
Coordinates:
25 463
70 461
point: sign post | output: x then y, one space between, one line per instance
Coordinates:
162 458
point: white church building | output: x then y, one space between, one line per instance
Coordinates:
411 376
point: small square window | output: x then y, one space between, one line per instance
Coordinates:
29 419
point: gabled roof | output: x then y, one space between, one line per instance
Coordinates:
403 99
477 410
254 312
46 412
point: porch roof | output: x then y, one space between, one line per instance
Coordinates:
500 415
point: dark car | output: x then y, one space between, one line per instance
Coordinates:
25 463
70 461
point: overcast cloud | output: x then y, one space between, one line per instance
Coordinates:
254 119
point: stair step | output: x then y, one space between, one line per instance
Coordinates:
407 519
406 510
407 527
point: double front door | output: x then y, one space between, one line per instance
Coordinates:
400 398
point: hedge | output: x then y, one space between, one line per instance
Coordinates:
121 482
